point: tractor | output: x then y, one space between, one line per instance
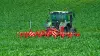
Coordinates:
61 18
58 24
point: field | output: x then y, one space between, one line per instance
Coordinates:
15 16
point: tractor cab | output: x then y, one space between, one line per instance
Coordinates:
61 16
58 17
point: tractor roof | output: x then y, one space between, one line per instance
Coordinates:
59 12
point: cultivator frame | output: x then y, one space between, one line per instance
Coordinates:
47 33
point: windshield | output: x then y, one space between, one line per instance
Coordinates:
59 16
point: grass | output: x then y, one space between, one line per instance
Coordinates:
15 16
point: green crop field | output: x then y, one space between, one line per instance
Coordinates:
16 14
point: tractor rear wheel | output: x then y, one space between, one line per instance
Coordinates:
68 27
73 30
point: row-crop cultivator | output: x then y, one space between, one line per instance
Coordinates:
59 24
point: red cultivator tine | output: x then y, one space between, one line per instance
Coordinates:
54 34
62 34
43 33
26 34
48 34
70 35
77 34
67 34
32 34
21 34
39 34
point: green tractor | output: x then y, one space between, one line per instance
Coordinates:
61 18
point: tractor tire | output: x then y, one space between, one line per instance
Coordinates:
73 30
67 27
